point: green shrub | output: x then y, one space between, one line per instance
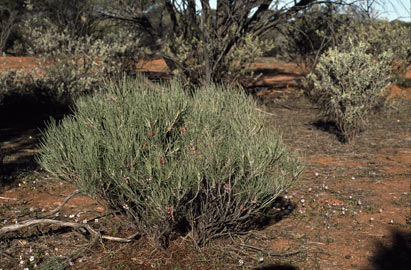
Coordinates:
349 85
170 160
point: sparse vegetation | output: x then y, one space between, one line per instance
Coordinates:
193 170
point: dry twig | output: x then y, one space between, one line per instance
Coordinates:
5 254
4 198
83 228
273 254
74 225
74 193
271 114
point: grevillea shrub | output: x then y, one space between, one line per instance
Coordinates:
169 160
349 85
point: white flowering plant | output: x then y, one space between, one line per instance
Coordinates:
349 85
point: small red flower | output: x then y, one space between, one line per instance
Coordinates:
152 133
171 209
162 160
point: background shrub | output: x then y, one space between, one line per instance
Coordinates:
235 65
172 161
69 66
380 36
348 85
322 27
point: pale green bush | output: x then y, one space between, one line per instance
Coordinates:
18 83
190 64
323 27
172 161
381 36
69 66
349 85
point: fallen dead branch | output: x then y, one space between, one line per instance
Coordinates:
272 254
83 228
74 225
74 193
5 254
268 113
33 222
4 198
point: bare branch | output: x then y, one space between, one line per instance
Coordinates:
4 198
172 12
196 41
6 28
32 222
74 225
273 254
74 193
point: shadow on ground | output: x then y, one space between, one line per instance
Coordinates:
22 117
277 267
273 72
328 126
394 255
280 209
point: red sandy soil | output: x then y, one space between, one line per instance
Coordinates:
353 202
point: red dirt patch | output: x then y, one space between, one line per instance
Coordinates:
51 200
397 163
395 92
18 63
157 65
